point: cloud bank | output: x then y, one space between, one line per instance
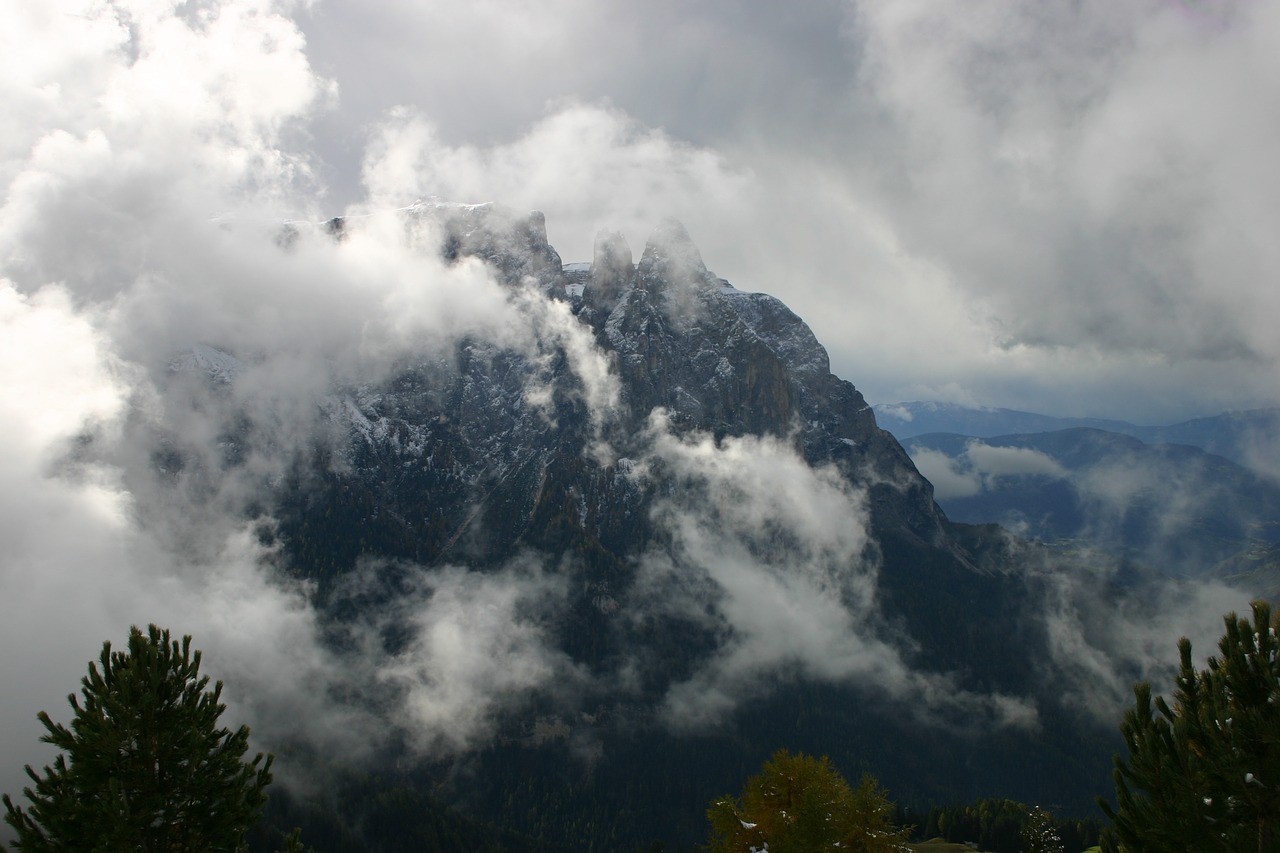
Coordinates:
148 182
1064 210
774 557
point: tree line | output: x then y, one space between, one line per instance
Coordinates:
146 766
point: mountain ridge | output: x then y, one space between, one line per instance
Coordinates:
705 546
1245 437
1174 507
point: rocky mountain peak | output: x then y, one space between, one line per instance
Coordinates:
493 457
612 271
671 264
515 244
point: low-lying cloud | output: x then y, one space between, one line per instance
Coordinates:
143 234
587 166
1101 644
980 466
775 558
131 487
475 644
1175 509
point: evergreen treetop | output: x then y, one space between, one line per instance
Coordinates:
1204 774
144 765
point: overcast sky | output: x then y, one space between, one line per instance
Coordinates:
1061 206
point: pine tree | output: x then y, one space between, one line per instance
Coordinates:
1204 775
1039 833
144 765
798 803
293 843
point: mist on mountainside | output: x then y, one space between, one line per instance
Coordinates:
493 516
438 508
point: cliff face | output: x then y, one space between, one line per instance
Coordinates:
486 453
456 460
733 363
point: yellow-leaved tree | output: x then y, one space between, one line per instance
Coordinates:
798 803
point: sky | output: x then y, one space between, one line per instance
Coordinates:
1063 207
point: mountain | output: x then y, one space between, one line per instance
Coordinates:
659 540
1248 438
1258 569
1170 506
907 420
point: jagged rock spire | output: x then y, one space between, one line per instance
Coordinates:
612 271
671 259
514 243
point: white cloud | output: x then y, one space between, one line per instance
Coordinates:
980 466
585 165
773 555
1101 645
1075 168
78 566
477 645
52 383
145 187
152 116
1011 461
949 476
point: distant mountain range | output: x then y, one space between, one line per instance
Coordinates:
1249 438
1193 499
1172 507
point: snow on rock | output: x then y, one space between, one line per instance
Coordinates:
432 203
219 366
780 329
